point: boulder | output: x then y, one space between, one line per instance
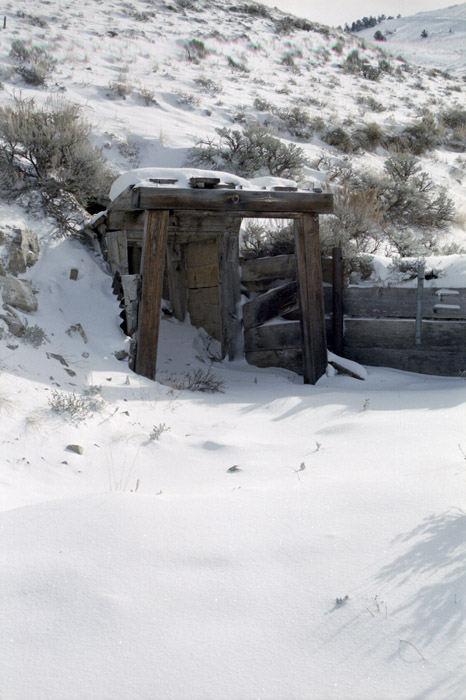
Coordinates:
18 294
23 251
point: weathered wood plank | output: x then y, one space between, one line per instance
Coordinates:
447 363
397 333
241 202
117 251
263 273
177 284
274 337
130 285
397 302
273 268
337 302
274 303
202 253
202 276
291 359
200 223
153 263
204 310
230 293
310 296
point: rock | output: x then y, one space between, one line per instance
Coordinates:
18 293
74 272
15 326
77 449
77 328
3 272
121 354
23 251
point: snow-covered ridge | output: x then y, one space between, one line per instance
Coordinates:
444 47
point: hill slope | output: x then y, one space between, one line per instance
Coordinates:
443 48
268 540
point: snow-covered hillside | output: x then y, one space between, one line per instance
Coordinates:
443 45
268 540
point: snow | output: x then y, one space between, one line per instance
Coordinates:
144 177
445 46
329 564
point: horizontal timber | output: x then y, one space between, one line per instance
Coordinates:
416 359
239 202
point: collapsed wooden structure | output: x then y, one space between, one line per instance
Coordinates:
189 237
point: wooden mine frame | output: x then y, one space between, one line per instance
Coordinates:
162 203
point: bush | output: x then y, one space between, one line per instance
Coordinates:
339 138
369 136
289 24
119 88
251 9
34 64
421 136
357 222
74 407
51 144
411 202
259 240
296 121
454 117
355 64
249 153
195 50
198 380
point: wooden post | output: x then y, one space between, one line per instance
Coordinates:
310 297
230 292
177 280
153 261
337 301
420 292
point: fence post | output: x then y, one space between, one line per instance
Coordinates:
420 293
337 301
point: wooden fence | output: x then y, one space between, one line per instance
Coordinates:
377 326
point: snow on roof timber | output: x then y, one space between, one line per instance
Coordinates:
248 203
215 192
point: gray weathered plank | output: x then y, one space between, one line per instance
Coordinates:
262 274
153 263
310 296
204 310
337 302
397 333
241 202
274 337
400 302
273 268
177 285
290 358
130 286
117 251
448 363
230 293
275 302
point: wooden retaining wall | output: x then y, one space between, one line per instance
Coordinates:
379 323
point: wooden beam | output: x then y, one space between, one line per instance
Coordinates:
176 272
337 301
276 302
311 297
230 292
240 202
153 261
